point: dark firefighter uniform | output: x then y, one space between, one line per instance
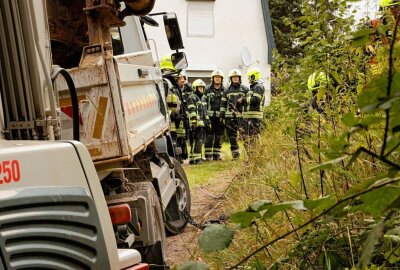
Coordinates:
198 118
253 109
214 135
185 90
175 107
231 109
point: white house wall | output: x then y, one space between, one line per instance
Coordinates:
237 24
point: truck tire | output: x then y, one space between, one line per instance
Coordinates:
180 203
155 255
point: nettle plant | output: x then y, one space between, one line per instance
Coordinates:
357 225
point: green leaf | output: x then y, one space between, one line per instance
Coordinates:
378 201
392 142
361 37
373 94
327 165
349 119
373 238
295 180
215 237
371 120
392 238
259 205
336 76
388 104
394 255
370 107
280 207
382 29
365 184
319 205
395 122
396 51
193 266
245 219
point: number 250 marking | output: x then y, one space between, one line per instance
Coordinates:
9 171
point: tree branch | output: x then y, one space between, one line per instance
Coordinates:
314 219
389 86
383 159
391 151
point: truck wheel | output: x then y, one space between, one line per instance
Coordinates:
180 202
156 254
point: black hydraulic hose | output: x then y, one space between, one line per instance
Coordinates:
74 98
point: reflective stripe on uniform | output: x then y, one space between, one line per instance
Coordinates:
181 132
258 95
252 114
208 151
233 114
213 113
194 156
236 151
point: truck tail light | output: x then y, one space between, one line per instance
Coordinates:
120 214
140 266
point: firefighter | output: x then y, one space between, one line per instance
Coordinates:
393 5
314 83
253 109
186 91
184 86
382 41
175 107
197 107
213 97
231 109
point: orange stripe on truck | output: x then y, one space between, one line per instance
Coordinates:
141 104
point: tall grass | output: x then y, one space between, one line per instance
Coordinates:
272 172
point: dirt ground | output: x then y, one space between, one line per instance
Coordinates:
207 204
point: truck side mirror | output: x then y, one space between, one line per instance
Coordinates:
179 60
173 31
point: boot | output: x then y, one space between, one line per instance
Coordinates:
217 157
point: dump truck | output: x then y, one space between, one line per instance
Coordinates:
89 176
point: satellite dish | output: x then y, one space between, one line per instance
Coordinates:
246 57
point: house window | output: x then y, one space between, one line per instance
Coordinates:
200 18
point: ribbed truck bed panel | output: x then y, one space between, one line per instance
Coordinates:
52 228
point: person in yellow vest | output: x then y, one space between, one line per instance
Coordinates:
175 106
253 109
198 118
315 82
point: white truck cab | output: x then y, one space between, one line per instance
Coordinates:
88 176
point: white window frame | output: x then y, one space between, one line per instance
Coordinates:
212 33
